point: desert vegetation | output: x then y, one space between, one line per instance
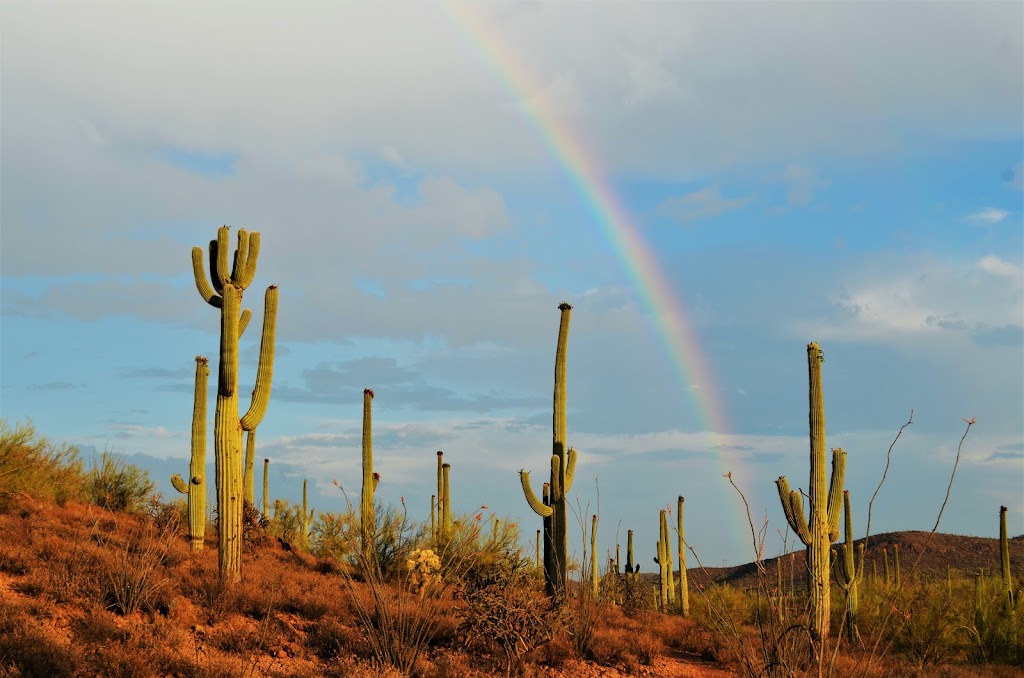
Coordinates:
100 576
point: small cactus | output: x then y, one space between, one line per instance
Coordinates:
266 488
850 571
593 556
1004 560
196 487
307 517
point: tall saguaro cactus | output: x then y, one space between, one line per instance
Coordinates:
367 520
1004 560
563 466
224 291
850 571
195 488
441 536
266 489
684 586
823 527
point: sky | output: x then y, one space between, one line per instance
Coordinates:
711 186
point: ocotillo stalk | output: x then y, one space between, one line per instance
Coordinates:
441 499
593 555
250 460
195 488
1004 559
825 499
563 466
446 513
896 564
224 290
850 571
684 586
266 488
367 522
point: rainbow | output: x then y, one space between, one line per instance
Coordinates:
570 153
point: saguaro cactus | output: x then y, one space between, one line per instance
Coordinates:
630 568
224 290
248 481
684 586
446 511
307 516
823 527
593 556
1004 559
563 466
195 488
266 488
440 496
850 570
367 520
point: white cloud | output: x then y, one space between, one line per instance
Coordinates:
706 202
802 184
1002 268
989 215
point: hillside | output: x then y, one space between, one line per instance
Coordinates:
932 554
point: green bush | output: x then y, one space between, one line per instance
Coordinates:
116 485
31 465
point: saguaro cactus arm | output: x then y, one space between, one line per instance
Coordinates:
540 508
179 484
265 370
835 492
793 507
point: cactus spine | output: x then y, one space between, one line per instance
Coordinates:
224 290
850 571
367 522
250 460
563 466
266 488
1004 560
823 528
195 488
684 586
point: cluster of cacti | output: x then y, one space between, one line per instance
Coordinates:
850 570
563 465
367 520
196 486
823 527
224 291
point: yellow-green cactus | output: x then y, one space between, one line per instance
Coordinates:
563 466
195 488
248 481
367 521
224 291
307 517
825 499
850 571
266 489
1004 560
440 534
684 586
446 510
593 556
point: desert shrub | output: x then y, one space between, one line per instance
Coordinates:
26 651
135 577
116 485
168 516
335 536
286 521
502 610
31 465
330 639
636 594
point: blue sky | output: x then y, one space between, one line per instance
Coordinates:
843 173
